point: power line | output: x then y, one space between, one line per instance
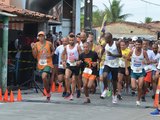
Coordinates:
150 3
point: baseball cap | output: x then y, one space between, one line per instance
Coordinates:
41 33
134 38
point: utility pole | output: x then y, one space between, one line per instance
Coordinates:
88 16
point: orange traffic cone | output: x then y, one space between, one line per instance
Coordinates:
44 92
53 87
5 99
60 88
19 96
156 100
11 96
0 94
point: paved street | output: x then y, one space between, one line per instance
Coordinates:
34 107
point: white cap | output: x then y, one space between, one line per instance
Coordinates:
134 38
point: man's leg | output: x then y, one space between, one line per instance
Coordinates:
85 87
62 79
46 83
68 73
74 79
120 79
140 85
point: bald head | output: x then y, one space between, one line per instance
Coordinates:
108 37
65 41
83 37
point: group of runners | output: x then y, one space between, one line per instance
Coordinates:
111 65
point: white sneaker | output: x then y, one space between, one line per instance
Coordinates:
138 103
104 94
114 99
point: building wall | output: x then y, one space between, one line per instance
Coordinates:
121 29
18 3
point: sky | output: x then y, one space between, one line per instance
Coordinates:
137 8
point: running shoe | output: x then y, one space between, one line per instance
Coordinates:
119 97
104 94
63 94
133 93
71 97
138 103
114 99
67 95
109 93
143 99
78 93
48 97
155 112
87 101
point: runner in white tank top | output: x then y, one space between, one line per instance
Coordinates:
113 53
137 59
112 61
70 56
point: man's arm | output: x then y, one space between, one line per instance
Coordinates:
94 64
64 55
79 49
34 50
52 50
129 56
119 50
146 57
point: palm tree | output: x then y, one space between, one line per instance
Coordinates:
148 19
97 18
114 11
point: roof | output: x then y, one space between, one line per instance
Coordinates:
30 15
153 27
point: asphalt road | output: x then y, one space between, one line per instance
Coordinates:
34 107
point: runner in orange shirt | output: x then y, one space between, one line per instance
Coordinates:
43 52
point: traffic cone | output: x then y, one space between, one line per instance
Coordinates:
156 100
60 90
53 87
5 99
11 96
19 96
0 94
44 92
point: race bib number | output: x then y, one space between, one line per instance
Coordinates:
87 70
72 63
138 70
111 57
43 62
148 68
137 64
121 63
60 66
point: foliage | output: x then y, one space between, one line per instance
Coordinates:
148 19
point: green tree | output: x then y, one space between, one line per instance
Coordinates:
97 18
148 19
82 21
114 11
